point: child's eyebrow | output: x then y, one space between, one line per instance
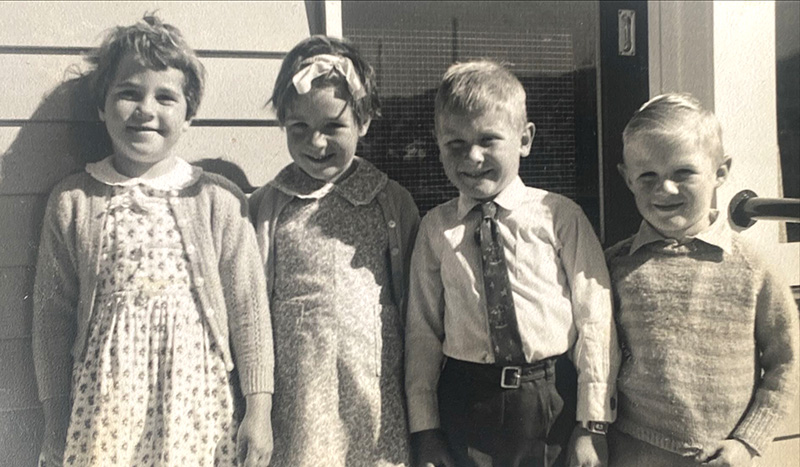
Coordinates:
170 89
120 84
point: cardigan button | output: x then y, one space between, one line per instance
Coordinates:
173 192
392 224
395 251
190 250
199 282
210 312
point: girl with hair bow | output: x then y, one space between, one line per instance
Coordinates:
336 236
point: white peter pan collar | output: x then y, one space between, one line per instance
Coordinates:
181 176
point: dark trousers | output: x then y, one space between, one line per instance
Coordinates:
489 426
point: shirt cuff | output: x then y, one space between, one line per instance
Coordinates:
596 402
423 411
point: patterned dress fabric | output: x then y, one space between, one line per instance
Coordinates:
152 389
338 335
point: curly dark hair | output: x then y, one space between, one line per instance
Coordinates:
153 44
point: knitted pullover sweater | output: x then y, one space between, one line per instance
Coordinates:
710 342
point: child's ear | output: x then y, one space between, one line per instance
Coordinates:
364 127
101 114
623 171
527 139
186 125
723 170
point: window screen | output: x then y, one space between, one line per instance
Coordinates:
409 63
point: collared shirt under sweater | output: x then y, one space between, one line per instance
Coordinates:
710 340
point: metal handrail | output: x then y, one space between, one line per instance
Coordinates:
746 208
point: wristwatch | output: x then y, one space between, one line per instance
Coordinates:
598 428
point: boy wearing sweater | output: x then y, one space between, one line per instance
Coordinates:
709 332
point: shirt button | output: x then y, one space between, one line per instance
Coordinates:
392 224
395 251
199 281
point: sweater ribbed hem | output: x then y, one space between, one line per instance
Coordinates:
682 447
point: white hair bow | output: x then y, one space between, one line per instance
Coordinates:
319 65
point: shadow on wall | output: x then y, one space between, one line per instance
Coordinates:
57 139
229 170
49 147
788 103
61 136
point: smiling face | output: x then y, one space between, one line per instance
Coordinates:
145 115
322 132
481 150
673 183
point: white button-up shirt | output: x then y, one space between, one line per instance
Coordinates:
559 283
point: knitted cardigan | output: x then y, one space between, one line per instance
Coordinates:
227 275
710 344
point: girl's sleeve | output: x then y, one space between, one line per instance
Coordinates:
245 291
55 301
409 225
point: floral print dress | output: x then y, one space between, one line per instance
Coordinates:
152 388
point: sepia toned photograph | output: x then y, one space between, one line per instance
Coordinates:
358 233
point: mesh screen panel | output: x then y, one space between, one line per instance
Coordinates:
409 65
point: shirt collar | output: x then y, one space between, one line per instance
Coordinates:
179 177
509 198
359 187
717 234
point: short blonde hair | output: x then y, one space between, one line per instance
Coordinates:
481 85
678 117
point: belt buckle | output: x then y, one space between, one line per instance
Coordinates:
510 377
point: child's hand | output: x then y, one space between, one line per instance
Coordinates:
254 445
587 449
431 449
728 453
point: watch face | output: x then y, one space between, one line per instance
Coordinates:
598 427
